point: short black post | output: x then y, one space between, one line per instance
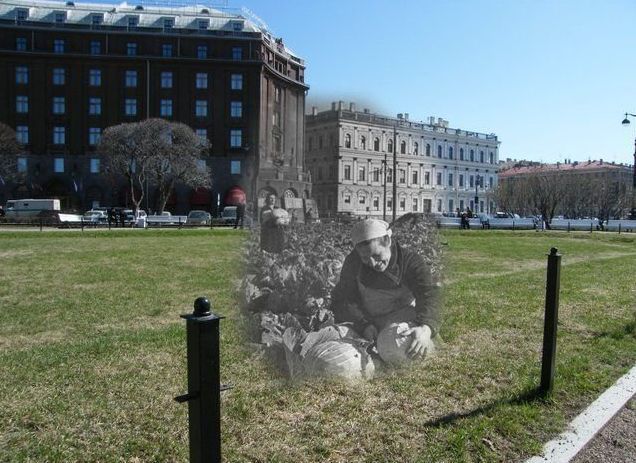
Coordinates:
591 224
82 222
41 223
179 223
568 227
204 388
619 228
513 225
550 324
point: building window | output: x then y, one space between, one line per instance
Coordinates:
22 134
361 174
402 204
130 106
202 134
236 138
94 133
362 199
235 167
414 204
202 51
59 105
414 177
94 166
492 158
59 76
416 148
403 147
451 205
348 141
439 205
236 109
237 53
60 17
97 19
402 177
166 50
203 24
131 49
461 180
236 82
165 108
428 149
277 94
94 106
450 152
376 144
389 146
22 165
439 151
201 80
450 179
471 181
21 75
58 46
21 44
131 79
166 79
133 21
376 175
439 178
427 178
389 203
461 154
58 165
472 156
96 47
347 199
276 118
490 182
22 104
347 172
59 135
363 143
168 24
201 108
481 157
389 176
21 14
95 78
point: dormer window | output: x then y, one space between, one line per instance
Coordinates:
237 26
97 19
21 14
133 21
60 17
203 24
168 23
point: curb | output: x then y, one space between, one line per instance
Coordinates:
586 425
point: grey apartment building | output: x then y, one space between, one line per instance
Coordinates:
69 70
439 169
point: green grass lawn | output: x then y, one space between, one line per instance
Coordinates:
92 352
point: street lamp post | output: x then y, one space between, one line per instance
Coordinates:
633 211
477 182
394 176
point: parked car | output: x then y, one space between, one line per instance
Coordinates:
228 216
197 217
95 216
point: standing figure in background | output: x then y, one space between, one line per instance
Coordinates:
240 214
273 221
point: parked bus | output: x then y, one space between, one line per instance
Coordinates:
25 208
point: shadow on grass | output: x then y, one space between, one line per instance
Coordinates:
532 396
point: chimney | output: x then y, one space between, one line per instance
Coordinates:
333 106
406 116
440 121
340 105
314 111
352 106
431 120
366 110
400 116
601 162
558 164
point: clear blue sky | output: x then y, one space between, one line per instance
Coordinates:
552 78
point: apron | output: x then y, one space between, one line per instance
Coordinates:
386 306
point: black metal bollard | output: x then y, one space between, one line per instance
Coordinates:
568 227
41 223
619 228
550 323
204 388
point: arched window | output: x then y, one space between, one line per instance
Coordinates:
416 148
472 155
439 151
389 146
428 149
492 158
363 143
461 154
348 141
481 156
450 152
376 144
403 147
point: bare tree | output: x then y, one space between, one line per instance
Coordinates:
176 160
609 197
10 149
154 151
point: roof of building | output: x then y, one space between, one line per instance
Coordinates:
587 166
161 15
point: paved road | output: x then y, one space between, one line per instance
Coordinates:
616 443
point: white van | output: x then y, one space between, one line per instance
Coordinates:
30 207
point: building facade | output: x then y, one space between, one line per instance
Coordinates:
438 169
70 70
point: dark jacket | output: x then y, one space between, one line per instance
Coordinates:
405 267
